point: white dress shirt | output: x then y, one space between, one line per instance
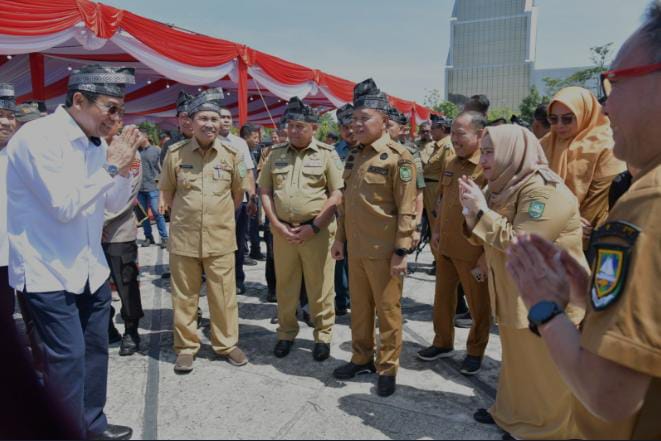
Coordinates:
57 193
4 243
241 146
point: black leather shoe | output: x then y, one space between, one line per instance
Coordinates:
483 416
240 288
386 385
271 298
257 256
282 348
130 344
199 317
114 432
113 335
321 351
350 370
148 242
341 311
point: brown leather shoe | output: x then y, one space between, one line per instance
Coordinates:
237 357
184 363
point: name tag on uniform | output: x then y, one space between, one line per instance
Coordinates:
378 170
448 173
313 163
281 164
186 166
217 171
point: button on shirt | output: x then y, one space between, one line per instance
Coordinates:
57 194
453 243
301 180
4 243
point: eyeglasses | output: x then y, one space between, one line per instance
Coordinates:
609 77
111 110
565 119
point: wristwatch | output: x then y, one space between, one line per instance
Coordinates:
112 169
401 252
315 228
541 313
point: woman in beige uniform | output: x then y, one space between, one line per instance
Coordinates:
580 150
523 195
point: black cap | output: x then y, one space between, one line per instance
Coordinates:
209 99
440 121
366 94
397 116
298 111
183 100
104 80
7 97
344 114
27 112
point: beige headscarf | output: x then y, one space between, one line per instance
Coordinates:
594 128
518 155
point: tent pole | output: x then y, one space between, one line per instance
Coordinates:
243 92
414 123
38 77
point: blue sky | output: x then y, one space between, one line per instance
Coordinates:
403 45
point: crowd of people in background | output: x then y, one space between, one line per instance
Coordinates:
547 229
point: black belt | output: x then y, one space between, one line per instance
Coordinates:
431 180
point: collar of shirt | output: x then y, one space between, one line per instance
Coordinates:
196 145
313 146
474 158
381 144
70 127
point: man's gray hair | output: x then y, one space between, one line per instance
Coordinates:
477 120
651 30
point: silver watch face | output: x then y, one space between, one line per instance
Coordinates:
112 169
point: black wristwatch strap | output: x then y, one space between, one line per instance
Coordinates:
315 228
479 216
541 313
401 252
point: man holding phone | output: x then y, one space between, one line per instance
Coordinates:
457 261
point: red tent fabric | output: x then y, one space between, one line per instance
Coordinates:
41 41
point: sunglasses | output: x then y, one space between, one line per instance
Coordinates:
110 110
565 119
611 76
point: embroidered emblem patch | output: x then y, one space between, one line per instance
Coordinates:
405 173
609 275
339 164
536 209
242 169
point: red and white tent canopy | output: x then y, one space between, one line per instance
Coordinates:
42 40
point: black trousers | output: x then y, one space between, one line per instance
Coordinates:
123 262
7 299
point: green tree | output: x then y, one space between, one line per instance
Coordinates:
500 112
434 100
600 57
326 124
530 103
152 130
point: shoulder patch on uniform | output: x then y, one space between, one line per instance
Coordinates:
229 147
405 171
611 261
536 209
399 148
325 146
279 146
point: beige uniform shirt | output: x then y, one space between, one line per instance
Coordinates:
426 150
453 244
441 155
301 180
377 215
204 186
623 322
540 207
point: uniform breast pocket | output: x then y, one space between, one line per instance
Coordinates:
314 177
187 181
222 180
280 175
375 186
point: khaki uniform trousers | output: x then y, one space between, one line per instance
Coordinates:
221 295
429 195
449 273
310 261
372 288
532 402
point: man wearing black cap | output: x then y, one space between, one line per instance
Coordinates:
300 187
397 121
7 127
183 123
61 177
202 182
378 220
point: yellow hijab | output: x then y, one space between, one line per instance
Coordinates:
518 155
594 128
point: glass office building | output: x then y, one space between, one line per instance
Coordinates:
492 51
